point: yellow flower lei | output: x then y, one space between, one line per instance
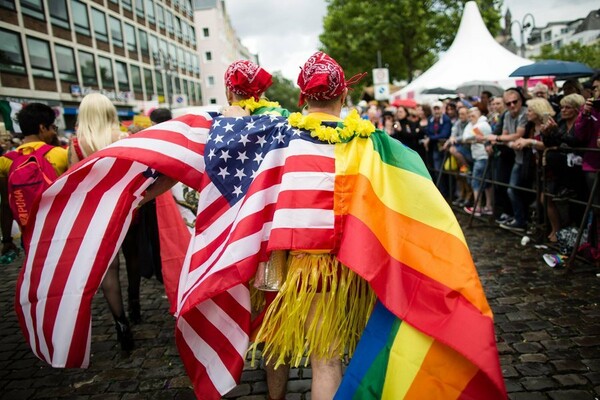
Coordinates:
353 125
250 104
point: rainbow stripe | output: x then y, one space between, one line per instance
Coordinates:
437 339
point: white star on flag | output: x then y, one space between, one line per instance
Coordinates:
211 154
242 156
228 127
261 140
244 139
219 139
225 155
223 172
240 174
258 158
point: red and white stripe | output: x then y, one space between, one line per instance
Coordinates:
289 204
79 226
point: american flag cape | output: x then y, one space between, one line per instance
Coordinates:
265 186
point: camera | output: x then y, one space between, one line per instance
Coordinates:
596 104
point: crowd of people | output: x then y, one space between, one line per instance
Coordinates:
491 154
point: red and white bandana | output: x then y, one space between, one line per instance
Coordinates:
247 79
322 78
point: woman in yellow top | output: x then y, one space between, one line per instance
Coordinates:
37 124
98 127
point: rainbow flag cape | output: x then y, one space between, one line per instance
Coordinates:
431 335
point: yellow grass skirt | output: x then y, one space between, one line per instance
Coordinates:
321 310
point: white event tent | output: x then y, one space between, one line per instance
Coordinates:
473 55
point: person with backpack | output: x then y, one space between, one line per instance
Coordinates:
27 171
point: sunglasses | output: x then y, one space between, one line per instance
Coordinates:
510 103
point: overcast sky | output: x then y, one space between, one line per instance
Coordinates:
284 33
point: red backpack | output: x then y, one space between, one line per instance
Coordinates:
28 176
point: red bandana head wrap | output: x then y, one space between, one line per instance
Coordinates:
322 78
247 79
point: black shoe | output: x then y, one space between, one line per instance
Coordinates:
124 334
134 312
513 226
503 218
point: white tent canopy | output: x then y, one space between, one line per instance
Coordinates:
473 55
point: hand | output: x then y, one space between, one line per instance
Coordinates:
598 142
519 144
587 107
549 126
234 111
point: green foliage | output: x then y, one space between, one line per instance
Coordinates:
409 34
284 91
589 55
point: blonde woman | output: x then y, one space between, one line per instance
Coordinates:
98 127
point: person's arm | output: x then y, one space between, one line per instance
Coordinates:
6 218
160 185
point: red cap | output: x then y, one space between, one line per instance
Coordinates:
247 79
322 78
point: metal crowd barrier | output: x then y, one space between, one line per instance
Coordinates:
539 190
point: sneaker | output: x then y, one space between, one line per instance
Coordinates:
487 211
513 226
457 202
503 218
472 210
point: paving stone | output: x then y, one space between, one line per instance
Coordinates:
569 365
538 383
540 358
534 369
570 380
527 396
571 395
240 390
587 341
535 336
299 386
527 347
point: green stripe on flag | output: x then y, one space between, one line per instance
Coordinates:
394 153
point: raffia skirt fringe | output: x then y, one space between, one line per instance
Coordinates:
294 327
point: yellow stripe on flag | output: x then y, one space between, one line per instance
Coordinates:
408 351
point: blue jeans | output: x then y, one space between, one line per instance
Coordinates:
516 196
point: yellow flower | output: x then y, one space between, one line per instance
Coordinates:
251 104
351 126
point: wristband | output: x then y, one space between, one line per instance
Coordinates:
7 240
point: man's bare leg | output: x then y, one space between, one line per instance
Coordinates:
277 380
326 378
326 372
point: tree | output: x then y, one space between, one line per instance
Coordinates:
284 91
409 34
589 55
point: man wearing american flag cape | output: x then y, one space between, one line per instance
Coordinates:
357 213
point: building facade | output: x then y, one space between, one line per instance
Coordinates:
584 31
139 53
218 46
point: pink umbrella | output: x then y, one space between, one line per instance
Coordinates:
410 103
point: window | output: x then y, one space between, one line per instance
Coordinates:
189 62
184 31
547 36
177 26
173 55
159 84
210 81
148 82
59 15
180 58
208 56
10 4
153 43
116 32
39 57
99 21
136 78
213 101
130 35
176 85
11 52
139 8
126 4
164 48
122 76
205 32
192 36
160 16
106 72
80 18
88 68
65 58
33 8
195 63
150 11
169 21
143 42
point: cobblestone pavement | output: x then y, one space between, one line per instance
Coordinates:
547 325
